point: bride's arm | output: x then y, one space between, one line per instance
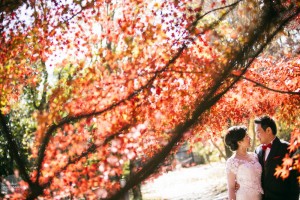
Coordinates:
231 185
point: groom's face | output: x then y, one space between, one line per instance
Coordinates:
261 134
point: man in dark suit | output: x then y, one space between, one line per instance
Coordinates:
270 154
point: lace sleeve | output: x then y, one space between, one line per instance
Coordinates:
232 165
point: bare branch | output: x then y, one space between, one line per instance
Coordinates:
184 72
268 88
199 17
217 147
88 5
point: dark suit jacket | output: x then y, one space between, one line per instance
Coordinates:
276 188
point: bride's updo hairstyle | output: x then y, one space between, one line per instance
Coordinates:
233 135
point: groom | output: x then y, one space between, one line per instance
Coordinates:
270 154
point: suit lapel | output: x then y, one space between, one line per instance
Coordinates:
275 147
260 156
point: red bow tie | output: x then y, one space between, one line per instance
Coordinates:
264 146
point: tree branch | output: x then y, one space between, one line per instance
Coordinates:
217 147
33 98
199 17
44 92
91 149
89 5
13 148
42 103
268 88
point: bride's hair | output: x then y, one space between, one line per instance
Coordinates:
233 135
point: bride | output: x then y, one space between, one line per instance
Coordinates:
242 167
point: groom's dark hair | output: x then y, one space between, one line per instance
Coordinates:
265 122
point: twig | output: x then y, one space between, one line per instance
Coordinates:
268 88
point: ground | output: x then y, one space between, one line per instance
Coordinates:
203 182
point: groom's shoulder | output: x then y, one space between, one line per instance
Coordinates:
283 142
281 145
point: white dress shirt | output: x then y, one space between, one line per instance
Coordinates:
267 152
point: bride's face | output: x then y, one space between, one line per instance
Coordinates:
245 142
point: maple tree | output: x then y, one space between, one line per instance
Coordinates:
110 82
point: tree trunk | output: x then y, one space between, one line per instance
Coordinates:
137 193
216 146
252 133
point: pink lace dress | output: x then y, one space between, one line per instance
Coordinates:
248 176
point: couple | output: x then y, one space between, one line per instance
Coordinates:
250 176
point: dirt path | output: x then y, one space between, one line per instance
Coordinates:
204 182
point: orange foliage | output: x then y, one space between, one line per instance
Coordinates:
129 78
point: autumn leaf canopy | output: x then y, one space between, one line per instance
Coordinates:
105 83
